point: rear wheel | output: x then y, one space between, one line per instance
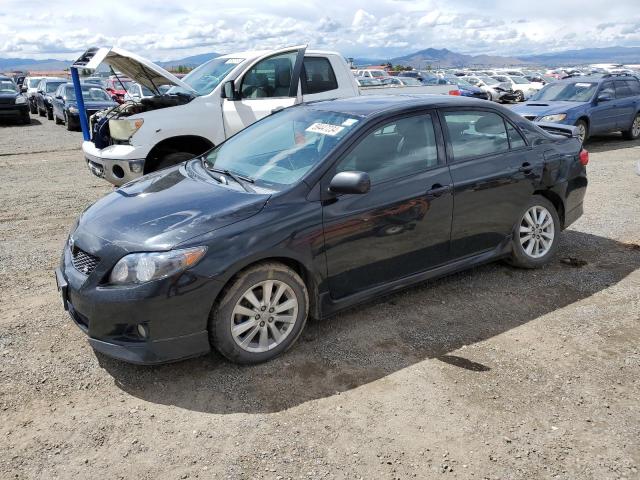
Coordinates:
42 113
260 315
536 235
33 108
634 130
58 120
583 130
67 122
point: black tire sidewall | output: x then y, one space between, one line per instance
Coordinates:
628 134
173 159
518 256
221 314
586 129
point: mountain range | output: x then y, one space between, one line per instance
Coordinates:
443 58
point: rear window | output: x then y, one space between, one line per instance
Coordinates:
317 75
622 89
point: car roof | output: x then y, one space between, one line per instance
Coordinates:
369 105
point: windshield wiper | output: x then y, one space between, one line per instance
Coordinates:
242 180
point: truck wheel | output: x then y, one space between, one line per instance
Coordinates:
173 159
634 130
260 315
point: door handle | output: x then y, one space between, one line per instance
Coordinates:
437 190
526 167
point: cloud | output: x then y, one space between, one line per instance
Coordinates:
375 28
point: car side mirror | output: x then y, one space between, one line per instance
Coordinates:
229 91
59 97
604 97
350 182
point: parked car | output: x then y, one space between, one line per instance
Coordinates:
309 211
371 73
408 81
44 96
136 92
594 105
65 105
426 78
230 92
31 85
466 89
498 92
368 82
94 81
13 104
522 87
117 87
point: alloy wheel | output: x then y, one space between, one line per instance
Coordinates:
264 316
635 128
582 131
537 232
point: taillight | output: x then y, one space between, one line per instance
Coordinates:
584 157
454 92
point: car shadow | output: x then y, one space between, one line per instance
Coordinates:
6 122
607 143
374 340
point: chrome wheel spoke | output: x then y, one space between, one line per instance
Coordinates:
242 310
251 297
288 305
267 289
279 292
247 340
264 339
285 319
275 333
240 328
537 231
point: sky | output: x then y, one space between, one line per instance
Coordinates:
168 30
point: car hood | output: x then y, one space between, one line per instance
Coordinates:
133 66
94 105
541 108
166 208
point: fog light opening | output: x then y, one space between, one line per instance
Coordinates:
118 171
143 331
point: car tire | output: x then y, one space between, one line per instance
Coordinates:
67 123
33 109
538 222
58 120
261 333
583 130
42 113
173 159
26 118
49 114
519 96
634 130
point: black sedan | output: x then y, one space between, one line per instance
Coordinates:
309 211
44 95
65 105
13 104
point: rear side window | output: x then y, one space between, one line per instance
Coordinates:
317 75
476 133
399 148
634 86
622 89
515 139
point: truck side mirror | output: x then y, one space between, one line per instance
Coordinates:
229 91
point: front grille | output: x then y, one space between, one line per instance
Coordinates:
82 261
530 117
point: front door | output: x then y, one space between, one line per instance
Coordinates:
268 85
402 225
493 171
603 113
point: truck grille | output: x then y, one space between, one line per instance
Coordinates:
82 261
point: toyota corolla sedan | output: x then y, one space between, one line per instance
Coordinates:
309 211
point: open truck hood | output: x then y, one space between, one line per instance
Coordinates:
139 69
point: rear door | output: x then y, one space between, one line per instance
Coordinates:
493 171
402 225
625 104
271 83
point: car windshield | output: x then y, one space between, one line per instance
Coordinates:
378 73
33 82
53 86
278 151
520 80
411 81
89 94
568 92
7 86
208 76
489 80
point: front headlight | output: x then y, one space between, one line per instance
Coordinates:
558 117
73 110
20 100
124 129
138 268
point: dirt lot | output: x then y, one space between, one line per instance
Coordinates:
493 373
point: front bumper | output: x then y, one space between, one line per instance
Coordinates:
173 313
113 163
14 111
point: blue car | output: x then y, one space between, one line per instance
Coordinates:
466 89
65 106
595 105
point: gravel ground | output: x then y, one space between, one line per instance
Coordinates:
494 373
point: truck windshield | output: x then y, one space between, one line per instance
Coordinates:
209 75
568 92
278 151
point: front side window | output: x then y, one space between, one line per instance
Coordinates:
208 75
317 75
279 150
634 86
476 133
397 149
270 77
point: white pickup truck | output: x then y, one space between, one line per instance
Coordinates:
213 102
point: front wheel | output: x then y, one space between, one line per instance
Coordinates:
519 96
260 315
536 235
634 130
583 131
32 108
26 118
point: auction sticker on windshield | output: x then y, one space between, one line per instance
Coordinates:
584 85
233 61
325 129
